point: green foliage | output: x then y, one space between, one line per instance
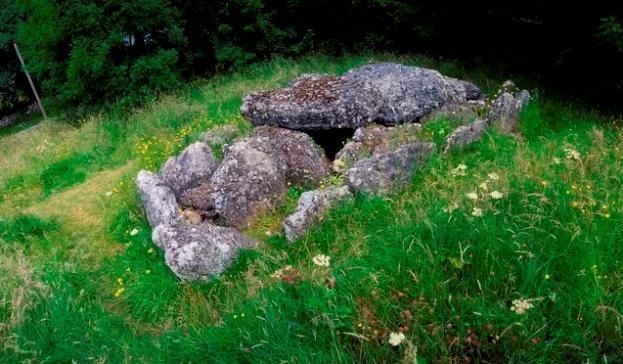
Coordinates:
84 53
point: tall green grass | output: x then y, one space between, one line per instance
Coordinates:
428 261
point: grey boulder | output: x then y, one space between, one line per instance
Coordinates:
373 140
254 174
200 252
191 168
306 163
506 109
381 173
386 92
315 102
412 92
465 135
311 207
158 199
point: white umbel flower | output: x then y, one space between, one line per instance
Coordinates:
496 195
396 338
322 260
472 195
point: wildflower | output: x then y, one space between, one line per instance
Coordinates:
547 277
575 204
322 260
572 154
108 194
150 250
459 170
396 338
493 176
556 160
496 195
133 232
483 186
472 195
147 271
521 306
450 208
477 212
544 183
120 281
606 215
278 274
119 291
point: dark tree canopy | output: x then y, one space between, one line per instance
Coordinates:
85 52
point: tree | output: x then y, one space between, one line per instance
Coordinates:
84 52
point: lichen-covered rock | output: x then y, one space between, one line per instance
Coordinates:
220 135
506 109
191 168
254 173
465 112
373 140
412 92
306 163
465 135
380 174
158 199
248 181
314 102
200 252
311 207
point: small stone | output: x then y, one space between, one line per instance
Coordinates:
465 135
192 217
506 109
311 206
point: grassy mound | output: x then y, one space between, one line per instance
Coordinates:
509 251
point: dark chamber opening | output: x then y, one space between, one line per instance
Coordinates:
332 140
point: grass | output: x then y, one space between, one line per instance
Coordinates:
79 287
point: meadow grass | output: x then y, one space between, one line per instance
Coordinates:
532 273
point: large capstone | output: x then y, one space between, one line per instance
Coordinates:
388 93
191 168
315 102
200 252
381 173
412 92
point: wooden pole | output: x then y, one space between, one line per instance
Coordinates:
32 85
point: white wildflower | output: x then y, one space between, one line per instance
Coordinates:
556 160
472 195
493 176
496 195
572 154
133 232
459 170
322 260
450 208
108 194
521 306
396 338
477 212
484 186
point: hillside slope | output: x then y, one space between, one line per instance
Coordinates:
533 273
